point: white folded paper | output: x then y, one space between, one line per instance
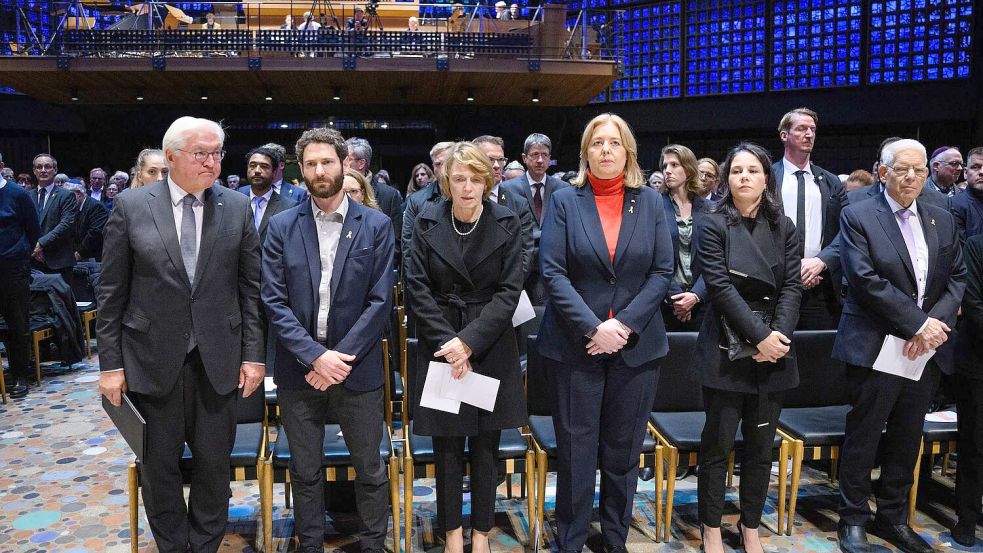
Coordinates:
269 384
891 360
523 310
474 389
431 397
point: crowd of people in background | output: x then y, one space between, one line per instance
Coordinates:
744 251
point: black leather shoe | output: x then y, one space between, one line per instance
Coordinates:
901 536
615 549
964 534
18 388
853 539
646 473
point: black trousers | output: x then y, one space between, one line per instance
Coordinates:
15 308
880 399
193 413
449 459
360 415
725 411
600 412
969 494
819 309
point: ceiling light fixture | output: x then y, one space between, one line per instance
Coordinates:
535 96
337 94
470 95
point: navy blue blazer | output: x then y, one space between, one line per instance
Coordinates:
583 287
881 290
968 210
361 293
700 207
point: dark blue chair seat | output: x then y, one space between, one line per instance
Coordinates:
245 449
684 429
815 426
544 433
335 451
510 446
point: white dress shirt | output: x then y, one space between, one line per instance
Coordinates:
277 185
920 264
493 196
262 208
814 205
96 195
177 202
3 182
532 186
328 235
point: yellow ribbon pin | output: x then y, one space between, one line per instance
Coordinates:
349 235
933 221
631 209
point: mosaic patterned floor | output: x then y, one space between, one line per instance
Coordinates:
63 490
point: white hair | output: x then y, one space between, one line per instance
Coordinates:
123 175
73 187
177 134
891 150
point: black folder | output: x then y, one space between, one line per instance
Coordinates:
130 423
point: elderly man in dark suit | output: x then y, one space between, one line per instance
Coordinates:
390 200
905 278
179 328
537 188
327 286
55 250
927 195
812 198
89 222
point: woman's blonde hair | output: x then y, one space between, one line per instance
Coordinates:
136 181
469 155
367 191
633 173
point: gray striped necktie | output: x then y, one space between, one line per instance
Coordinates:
189 250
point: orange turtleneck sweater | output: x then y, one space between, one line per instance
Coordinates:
609 195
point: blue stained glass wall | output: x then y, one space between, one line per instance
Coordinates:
920 40
725 46
816 43
651 53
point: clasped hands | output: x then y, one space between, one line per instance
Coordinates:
810 270
330 368
931 337
683 304
457 354
609 337
775 346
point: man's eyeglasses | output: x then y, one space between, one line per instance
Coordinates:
499 160
200 157
538 155
904 169
954 164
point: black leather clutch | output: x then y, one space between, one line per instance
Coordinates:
736 345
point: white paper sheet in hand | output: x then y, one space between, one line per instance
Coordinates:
269 384
891 361
431 398
523 310
474 389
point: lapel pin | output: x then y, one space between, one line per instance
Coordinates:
631 209
349 235
933 222
220 203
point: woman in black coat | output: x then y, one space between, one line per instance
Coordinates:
748 257
463 282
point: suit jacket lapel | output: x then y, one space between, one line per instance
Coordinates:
442 239
49 197
491 238
889 223
629 218
349 231
931 240
824 192
271 210
211 223
751 254
591 220
308 233
163 213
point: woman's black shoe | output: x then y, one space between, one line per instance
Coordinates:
18 388
964 534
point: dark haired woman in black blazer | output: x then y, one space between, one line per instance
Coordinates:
748 257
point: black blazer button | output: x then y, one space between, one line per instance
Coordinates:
187 335
612 281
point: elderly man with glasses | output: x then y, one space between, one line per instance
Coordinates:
947 169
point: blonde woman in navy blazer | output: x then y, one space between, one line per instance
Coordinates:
602 334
